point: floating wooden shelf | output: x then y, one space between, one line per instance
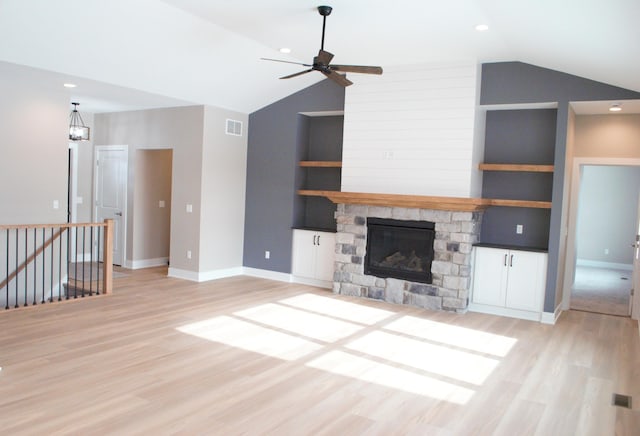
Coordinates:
519 203
517 167
421 201
321 163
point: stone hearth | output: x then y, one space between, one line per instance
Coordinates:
456 232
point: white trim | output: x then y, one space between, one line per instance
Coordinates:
146 263
503 311
608 265
219 274
515 106
551 318
312 282
204 276
266 274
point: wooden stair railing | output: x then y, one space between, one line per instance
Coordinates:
33 256
24 256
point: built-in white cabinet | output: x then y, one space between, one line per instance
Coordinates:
313 257
509 282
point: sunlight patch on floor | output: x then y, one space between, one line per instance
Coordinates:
461 337
435 359
412 354
348 365
247 336
300 322
338 309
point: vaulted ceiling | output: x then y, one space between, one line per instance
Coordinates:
207 51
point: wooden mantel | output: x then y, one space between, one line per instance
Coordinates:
421 201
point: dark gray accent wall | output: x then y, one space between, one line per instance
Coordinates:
517 83
276 138
518 137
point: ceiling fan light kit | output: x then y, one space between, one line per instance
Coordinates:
322 62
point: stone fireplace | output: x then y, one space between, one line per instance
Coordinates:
455 234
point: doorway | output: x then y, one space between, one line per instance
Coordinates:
606 225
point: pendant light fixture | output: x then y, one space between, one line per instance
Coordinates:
77 130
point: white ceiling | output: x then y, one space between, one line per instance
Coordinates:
207 51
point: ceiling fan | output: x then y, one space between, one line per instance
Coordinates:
322 61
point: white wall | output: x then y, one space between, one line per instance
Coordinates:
34 132
411 131
224 176
607 212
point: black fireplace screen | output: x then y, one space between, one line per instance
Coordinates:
399 249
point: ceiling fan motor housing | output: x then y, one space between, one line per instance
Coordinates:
324 10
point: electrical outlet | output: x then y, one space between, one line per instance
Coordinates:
189 208
188 254
56 204
267 254
519 229
606 251
161 203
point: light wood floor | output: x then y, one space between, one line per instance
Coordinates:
250 356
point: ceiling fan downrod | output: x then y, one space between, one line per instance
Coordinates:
324 11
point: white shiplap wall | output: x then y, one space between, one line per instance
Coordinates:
411 131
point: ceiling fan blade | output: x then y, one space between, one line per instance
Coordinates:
323 58
286 62
363 69
297 74
340 79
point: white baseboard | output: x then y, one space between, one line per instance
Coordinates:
146 263
266 274
608 265
204 276
551 317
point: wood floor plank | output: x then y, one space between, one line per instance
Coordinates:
244 355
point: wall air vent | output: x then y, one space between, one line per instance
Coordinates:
234 128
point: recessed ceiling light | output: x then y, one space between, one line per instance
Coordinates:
285 50
615 108
482 27
69 85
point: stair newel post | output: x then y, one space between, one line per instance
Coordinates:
107 257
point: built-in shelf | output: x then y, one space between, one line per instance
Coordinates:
421 201
321 163
517 167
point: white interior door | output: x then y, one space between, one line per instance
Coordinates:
634 301
111 193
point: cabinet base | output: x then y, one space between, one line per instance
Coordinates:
503 311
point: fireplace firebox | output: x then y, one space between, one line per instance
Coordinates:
399 249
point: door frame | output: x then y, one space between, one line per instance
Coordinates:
123 236
570 254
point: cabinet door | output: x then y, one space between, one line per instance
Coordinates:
325 255
490 276
527 279
304 253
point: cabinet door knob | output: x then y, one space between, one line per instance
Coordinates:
314 239
318 240
505 260
511 261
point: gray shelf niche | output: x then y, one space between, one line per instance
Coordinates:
319 140
522 136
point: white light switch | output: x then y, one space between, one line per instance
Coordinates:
79 200
56 204
519 229
161 203
189 208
